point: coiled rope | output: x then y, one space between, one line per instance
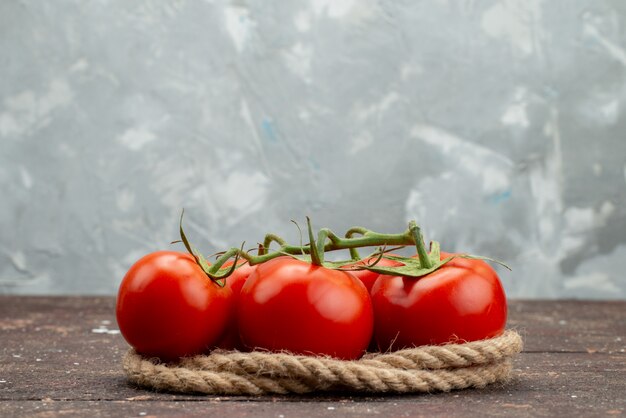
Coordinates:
420 369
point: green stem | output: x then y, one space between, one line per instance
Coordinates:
317 256
327 240
354 253
416 233
269 238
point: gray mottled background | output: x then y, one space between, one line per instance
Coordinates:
498 125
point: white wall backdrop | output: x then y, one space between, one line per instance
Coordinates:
498 125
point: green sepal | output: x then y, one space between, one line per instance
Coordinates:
344 265
411 267
354 265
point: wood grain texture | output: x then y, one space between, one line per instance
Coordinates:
61 355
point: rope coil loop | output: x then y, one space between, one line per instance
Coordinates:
420 369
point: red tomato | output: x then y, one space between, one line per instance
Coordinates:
288 304
168 308
369 277
230 340
463 300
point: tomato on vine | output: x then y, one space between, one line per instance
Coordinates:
462 300
167 307
172 304
291 305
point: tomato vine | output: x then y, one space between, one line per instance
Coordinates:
314 251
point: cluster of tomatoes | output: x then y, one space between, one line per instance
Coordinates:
168 308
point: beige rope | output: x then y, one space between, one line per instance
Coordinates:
420 369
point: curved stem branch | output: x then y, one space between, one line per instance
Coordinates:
269 238
354 253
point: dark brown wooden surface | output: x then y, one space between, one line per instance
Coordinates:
61 356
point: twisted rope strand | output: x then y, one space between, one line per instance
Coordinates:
420 369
